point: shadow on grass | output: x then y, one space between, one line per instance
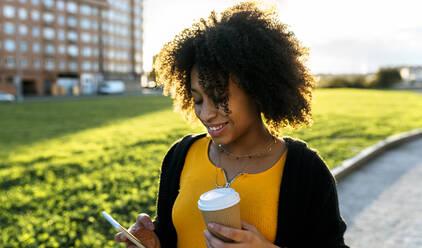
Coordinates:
34 175
26 123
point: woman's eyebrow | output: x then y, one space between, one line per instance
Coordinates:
194 90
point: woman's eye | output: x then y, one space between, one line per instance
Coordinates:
197 102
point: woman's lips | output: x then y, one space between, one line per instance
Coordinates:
216 130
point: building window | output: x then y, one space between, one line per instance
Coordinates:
94 25
85 9
111 54
94 11
138 46
36 47
10 80
48 3
48 33
72 50
137 34
49 49
138 57
138 69
9 11
23 46
86 51
23 29
35 2
61 20
49 64
36 31
22 14
85 23
86 37
62 65
35 14
10 62
73 65
61 34
72 36
60 5
105 26
94 38
72 7
86 66
24 63
9 45
72 21
48 17
62 49
9 28
37 64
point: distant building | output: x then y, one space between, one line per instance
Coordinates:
412 76
69 46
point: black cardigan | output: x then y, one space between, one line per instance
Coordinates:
308 214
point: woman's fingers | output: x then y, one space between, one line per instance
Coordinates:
250 227
211 240
120 237
143 229
144 220
207 241
231 233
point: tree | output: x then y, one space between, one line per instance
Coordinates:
386 77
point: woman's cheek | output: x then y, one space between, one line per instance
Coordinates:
197 110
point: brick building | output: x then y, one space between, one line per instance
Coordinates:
55 47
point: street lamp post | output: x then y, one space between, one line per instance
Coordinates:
18 85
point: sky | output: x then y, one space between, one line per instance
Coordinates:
343 36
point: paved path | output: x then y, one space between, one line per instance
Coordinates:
382 201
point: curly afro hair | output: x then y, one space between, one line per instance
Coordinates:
249 44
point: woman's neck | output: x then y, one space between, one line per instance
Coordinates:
254 141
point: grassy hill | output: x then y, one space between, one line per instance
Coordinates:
63 162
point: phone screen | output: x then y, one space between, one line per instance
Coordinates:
120 228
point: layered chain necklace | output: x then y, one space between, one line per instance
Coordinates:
221 149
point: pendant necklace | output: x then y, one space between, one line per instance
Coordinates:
221 149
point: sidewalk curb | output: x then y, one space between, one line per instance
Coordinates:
351 164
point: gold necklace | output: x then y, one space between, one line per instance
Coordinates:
253 155
238 157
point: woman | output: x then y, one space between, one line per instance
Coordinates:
242 76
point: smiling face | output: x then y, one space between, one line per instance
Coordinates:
243 120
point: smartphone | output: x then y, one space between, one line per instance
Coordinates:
119 227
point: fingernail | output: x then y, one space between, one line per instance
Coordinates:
211 226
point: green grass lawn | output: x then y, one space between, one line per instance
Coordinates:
63 162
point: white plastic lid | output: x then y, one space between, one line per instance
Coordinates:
217 199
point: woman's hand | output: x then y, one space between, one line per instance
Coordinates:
143 230
249 236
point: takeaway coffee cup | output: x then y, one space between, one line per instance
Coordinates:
221 206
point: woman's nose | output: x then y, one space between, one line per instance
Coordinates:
208 110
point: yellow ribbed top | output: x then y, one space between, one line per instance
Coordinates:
258 196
